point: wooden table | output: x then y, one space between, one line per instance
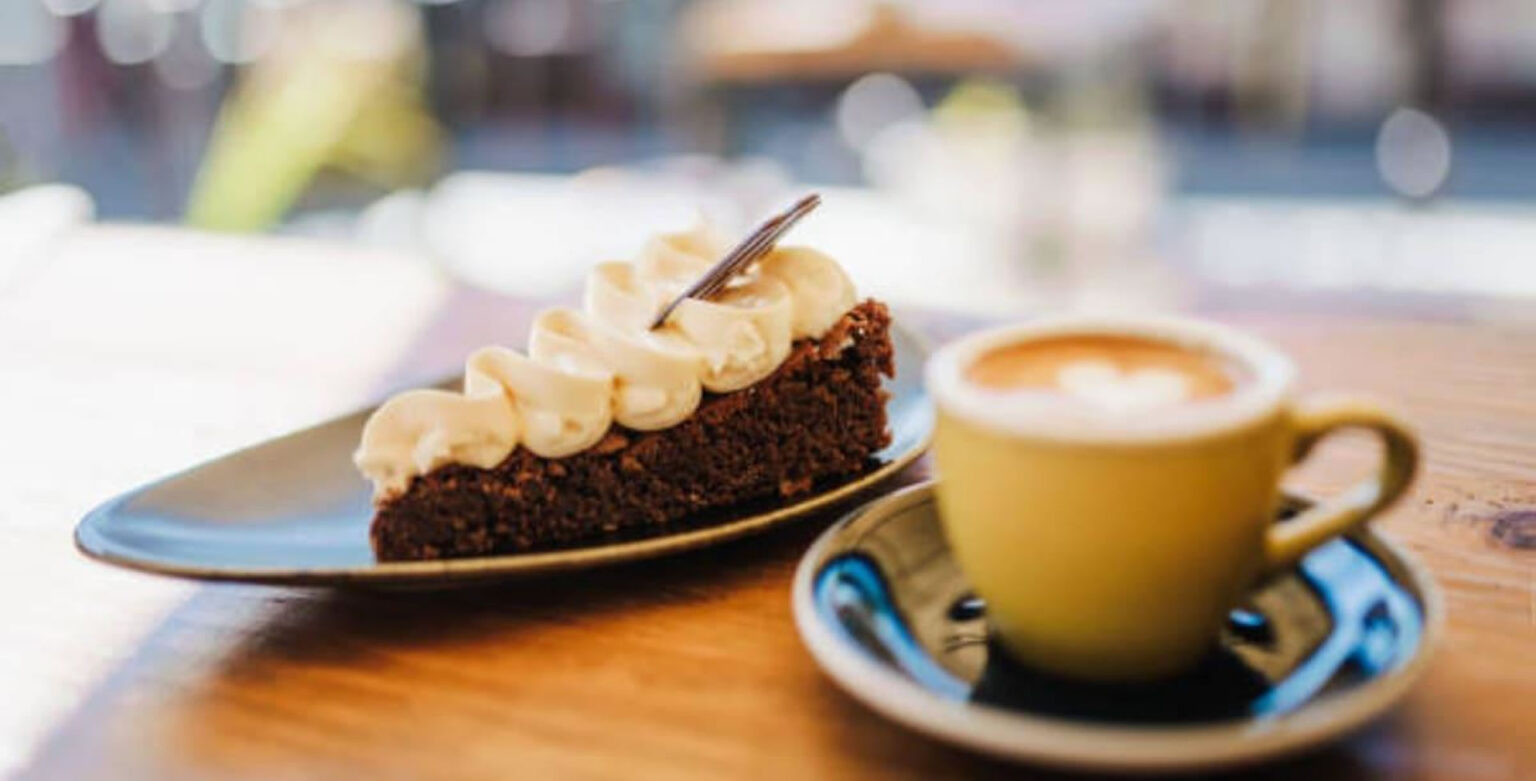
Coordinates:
683 668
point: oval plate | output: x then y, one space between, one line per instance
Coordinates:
1314 653
293 511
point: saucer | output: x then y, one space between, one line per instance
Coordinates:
1312 655
294 511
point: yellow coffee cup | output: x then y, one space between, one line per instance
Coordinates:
1110 543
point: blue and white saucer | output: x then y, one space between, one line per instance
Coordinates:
1312 655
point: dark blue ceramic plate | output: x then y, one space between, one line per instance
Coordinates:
294 511
1311 655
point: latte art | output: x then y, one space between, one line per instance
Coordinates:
1104 384
1116 374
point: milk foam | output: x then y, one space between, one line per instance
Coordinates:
1105 385
1094 398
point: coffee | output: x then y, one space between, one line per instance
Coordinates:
1108 484
1115 372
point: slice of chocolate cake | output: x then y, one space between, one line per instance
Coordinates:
681 386
818 416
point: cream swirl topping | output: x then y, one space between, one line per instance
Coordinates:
586 369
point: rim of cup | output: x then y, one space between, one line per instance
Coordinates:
1268 379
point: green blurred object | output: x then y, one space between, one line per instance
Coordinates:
983 99
343 91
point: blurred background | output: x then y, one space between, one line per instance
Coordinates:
221 220
991 155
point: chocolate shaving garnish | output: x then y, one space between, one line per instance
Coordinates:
743 255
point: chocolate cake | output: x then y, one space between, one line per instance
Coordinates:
819 416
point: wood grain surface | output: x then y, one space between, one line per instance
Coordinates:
690 667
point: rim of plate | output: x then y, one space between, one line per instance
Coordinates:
88 541
1064 743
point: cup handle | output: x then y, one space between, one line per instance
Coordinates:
1285 543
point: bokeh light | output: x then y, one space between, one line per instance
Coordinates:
529 28
239 31
28 33
872 104
1413 153
133 31
186 63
